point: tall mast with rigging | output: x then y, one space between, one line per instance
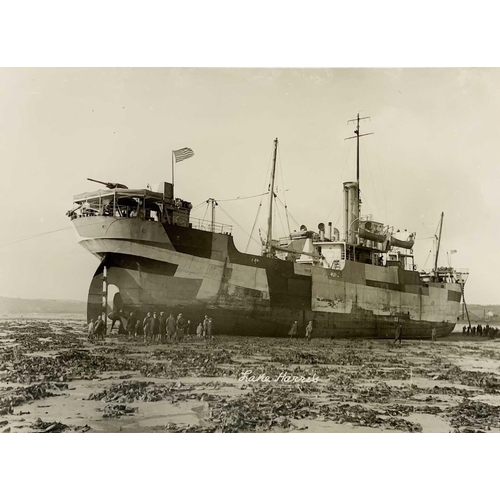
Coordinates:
357 136
268 248
438 245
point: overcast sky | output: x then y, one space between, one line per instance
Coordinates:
434 149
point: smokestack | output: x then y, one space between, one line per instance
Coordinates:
330 231
321 228
351 211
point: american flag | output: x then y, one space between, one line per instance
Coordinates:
182 154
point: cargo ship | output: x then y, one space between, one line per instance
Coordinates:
361 282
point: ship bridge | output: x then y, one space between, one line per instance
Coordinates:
145 204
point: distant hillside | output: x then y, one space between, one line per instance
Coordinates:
479 309
479 313
14 306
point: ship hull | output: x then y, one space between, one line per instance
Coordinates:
157 267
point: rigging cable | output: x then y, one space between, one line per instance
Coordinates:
244 197
288 211
205 214
238 225
371 176
281 220
366 201
199 205
284 194
260 204
25 238
382 171
428 255
254 224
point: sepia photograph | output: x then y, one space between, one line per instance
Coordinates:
249 250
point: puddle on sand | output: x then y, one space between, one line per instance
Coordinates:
430 423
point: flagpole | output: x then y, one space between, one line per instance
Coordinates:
172 174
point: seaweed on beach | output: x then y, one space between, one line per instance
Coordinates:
486 380
189 363
131 391
475 414
114 410
57 427
66 366
22 395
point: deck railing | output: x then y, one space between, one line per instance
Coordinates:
204 225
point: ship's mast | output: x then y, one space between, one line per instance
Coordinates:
438 245
357 136
213 204
268 248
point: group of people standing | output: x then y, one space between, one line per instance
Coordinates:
480 331
294 330
160 328
153 328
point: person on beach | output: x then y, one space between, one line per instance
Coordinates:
205 325
181 327
147 327
210 328
399 333
99 329
433 334
91 330
309 331
171 327
294 329
155 328
162 327
199 330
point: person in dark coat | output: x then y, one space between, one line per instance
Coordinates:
181 326
155 327
210 328
205 325
147 325
162 326
99 329
294 329
171 326
399 333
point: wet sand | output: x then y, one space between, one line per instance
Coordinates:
52 379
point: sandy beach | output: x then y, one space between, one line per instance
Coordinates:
52 379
